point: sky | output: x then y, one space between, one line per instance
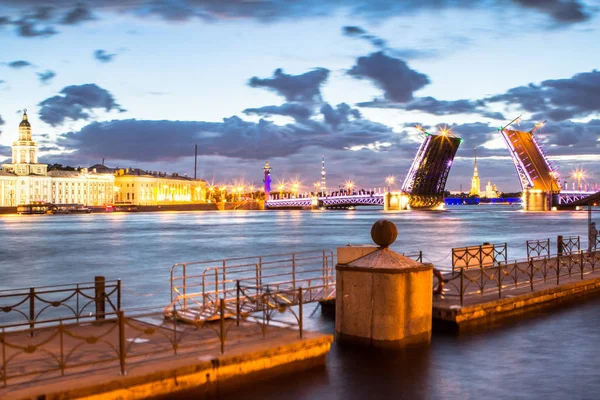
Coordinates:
139 83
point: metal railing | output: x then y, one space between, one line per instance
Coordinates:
196 287
121 340
538 248
518 274
474 256
49 304
570 244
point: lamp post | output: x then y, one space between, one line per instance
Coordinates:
349 186
579 175
390 181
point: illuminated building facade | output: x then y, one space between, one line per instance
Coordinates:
141 187
491 192
26 181
475 181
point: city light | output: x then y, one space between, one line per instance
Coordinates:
349 185
579 175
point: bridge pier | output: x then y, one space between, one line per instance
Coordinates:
394 201
315 203
537 200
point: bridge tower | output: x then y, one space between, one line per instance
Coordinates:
538 179
323 182
426 178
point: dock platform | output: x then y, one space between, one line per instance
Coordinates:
162 357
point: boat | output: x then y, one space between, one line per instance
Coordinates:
34 208
124 206
70 209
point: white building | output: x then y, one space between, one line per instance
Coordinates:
26 181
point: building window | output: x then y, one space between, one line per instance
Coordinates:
127 195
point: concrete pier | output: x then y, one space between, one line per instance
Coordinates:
383 298
152 368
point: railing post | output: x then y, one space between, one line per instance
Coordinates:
559 245
462 286
119 295
300 324
31 309
122 344
531 274
185 287
294 271
62 352
77 301
237 303
558 266
222 324
175 344
100 287
500 273
581 260
4 369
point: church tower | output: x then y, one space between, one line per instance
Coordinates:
475 182
24 153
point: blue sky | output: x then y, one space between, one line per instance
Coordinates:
139 83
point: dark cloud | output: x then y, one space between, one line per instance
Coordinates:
393 75
361 33
297 111
46 77
562 11
234 138
302 88
19 64
103 56
434 106
557 99
339 115
76 103
353 31
29 28
77 15
4 20
567 137
1 123
53 12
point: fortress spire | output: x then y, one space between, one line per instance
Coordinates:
475 181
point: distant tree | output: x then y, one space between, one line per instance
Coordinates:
60 167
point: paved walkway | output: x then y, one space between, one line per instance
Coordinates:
93 349
482 286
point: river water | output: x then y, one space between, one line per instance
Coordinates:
553 354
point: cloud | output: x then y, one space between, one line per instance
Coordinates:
393 75
302 88
360 33
46 77
76 103
71 12
19 64
339 115
103 56
1 122
5 151
297 111
557 99
77 15
562 11
27 28
142 140
434 106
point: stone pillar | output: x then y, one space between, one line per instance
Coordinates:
537 200
383 298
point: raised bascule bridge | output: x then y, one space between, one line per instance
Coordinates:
539 178
423 187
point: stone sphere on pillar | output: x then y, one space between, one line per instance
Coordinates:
384 233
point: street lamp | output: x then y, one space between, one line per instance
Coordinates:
349 185
579 175
390 181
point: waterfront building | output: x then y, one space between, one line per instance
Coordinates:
25 181
142 187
